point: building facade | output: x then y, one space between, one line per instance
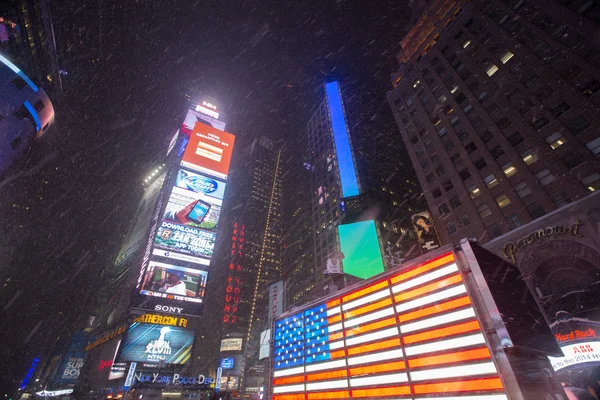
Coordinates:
497 103
356 177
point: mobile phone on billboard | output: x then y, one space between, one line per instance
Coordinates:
199 211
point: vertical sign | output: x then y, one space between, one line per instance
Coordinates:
275 301
130 374
218 380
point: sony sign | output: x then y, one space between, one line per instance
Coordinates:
169 309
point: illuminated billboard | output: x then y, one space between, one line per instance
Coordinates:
413 333
209 151
341 140
154 344
174 282
424 228
360 246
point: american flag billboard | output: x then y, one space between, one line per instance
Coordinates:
413 334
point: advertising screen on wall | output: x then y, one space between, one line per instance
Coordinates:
173 282
154 344
410 334
194 117
360 247
209 151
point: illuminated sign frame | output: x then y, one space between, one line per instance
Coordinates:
360 351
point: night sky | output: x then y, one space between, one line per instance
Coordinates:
66 205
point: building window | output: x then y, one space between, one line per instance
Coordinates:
19 83
455 202
424 164
559 109
509 169
560 198
529 157
491 70
544 177
535 210
464 221
514 221
506 56
464 174
490 181
430 178
556 140
468 109
455 158
573 160
594 146
447 185
455 121
578 125
460 98
502 200
442 131
416 83
484 210
449 145
466 44
474 191
452 228
442 99
592 182
515 139
503 123
39 105
592 87
443 209
522 189
462 134
494 231
440 170
540 122
454 89
486 136
470 148
497 152
436 193
414 140
480 163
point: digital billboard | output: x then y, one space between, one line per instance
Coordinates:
209 151
413 333
73 360
196 243
360 246
174 282
341 140
156 344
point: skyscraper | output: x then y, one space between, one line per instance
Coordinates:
254 257
354 179
497 103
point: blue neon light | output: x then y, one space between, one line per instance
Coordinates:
341 141
34 114
18 71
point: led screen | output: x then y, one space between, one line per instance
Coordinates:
154 344
174 282
343 149
209 151
195 244
411 334
360 247
194 117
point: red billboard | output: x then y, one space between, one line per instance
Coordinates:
209 151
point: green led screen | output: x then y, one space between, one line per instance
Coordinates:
360 246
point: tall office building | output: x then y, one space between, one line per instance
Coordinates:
355 180
254 259
27 35
297 244
497 103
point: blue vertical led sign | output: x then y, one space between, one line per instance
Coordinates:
341 141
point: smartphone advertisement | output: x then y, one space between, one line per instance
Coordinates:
209 151
174 237
174 282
